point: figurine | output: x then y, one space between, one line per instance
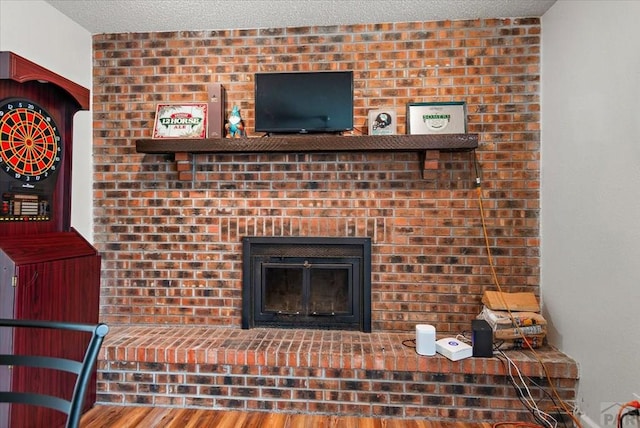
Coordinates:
235 125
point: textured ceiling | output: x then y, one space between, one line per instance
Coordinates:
125 16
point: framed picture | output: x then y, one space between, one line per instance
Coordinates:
437 118
181 121
382 122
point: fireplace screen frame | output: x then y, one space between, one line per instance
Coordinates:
352 255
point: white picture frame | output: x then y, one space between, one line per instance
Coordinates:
437 118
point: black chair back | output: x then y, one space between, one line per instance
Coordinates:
71 406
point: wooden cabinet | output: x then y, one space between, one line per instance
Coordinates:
50 276
47 270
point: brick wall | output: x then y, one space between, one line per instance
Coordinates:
171 248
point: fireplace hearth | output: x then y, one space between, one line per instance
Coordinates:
307 282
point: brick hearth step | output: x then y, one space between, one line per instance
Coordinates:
316 371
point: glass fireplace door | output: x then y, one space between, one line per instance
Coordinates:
314 292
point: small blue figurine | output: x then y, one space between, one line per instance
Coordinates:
235 125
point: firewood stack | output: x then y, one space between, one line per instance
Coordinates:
515 319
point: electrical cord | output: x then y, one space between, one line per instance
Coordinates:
635 411
563 406
358 131
410 343
463 337
499 354
524 393
555 407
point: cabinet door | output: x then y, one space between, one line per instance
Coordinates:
64 290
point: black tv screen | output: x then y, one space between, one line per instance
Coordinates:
304 102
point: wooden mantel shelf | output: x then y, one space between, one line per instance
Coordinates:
430 145
311 143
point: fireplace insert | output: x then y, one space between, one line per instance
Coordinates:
307 282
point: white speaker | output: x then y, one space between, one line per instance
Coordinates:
425 339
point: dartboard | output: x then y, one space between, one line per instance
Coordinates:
30 143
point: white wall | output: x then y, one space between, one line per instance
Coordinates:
590 200
38 32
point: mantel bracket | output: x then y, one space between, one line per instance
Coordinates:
429 162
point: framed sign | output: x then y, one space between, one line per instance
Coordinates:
437 118
382 122
180 121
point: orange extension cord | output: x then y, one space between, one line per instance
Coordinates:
633 404
563 406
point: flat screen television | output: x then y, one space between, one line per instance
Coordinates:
304 102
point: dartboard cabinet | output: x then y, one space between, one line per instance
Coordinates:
47 269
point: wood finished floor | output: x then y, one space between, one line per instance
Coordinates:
160 417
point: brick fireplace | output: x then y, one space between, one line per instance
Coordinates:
172 249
